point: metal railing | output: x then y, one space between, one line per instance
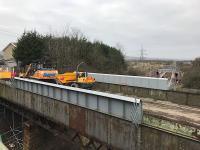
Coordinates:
135 81
127 108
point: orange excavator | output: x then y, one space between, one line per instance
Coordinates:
36 71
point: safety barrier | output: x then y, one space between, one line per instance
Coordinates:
136 81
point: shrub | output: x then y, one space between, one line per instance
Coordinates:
191 79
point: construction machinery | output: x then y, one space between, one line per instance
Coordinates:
74 79
37 72
5 75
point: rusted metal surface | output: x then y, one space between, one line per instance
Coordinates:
61 112
98 125
123 134
77 118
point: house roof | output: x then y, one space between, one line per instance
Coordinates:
13 44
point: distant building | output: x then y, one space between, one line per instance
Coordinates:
7 55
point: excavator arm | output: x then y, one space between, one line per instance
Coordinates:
27 71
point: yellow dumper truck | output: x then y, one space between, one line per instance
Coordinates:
76 79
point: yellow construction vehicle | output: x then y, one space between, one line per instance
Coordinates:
76 79
5 75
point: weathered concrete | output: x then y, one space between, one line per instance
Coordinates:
38 138
33 137
157 140
184 97
115 132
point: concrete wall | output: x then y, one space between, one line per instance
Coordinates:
117 133
190 98
157 140
33 137
137 81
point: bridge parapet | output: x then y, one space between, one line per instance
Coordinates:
127 108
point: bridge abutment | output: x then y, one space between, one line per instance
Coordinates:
33 136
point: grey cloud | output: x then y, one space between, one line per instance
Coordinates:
166 28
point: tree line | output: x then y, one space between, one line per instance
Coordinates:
67 51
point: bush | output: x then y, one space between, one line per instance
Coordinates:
30 48
191 79
134 72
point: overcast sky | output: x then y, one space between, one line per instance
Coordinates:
165 28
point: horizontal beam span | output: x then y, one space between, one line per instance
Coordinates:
135 81
127 108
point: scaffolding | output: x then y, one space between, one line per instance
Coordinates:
13 139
